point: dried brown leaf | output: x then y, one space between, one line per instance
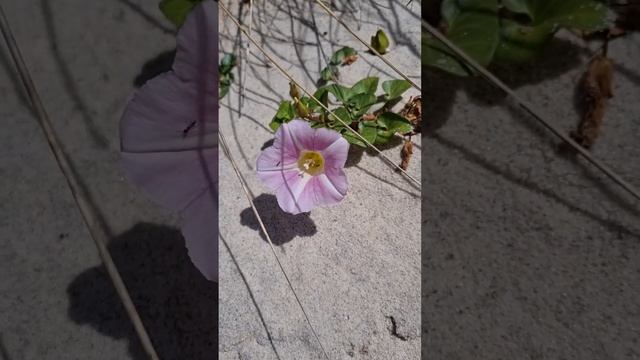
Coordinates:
412 111
369 117
598 87
348 60
406 153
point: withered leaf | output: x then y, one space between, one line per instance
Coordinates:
369 117
350 59
598 87
412 111
406 153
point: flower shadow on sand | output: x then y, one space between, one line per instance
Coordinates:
178 306
282 227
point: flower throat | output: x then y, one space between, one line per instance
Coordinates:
311 162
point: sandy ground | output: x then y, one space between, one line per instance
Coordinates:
528 254
56 301
356 266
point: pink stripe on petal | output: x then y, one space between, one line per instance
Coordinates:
297 135
335 154
289 194
323 138
326 191
275 157
338 179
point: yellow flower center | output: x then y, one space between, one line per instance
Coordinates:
311 162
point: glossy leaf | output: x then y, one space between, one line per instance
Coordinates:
380 41
368 130
395 88
285 113
394 123
473 26
367 85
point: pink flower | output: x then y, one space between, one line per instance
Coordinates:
169 134
304 167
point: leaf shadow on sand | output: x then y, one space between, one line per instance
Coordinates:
177 305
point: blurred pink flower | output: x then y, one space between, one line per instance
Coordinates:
169 134
304 167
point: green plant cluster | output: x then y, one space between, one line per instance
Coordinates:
507 31
227 64
353 106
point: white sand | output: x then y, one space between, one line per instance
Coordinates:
355 266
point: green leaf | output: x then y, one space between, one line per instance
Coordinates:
329 73
340 92
384 136
368 130
361 103
380 41
338 57
521 41
517 6
226 76
227 63
224 90
285 114
352 139
395 88
341 113
394 123
473 26
588 15
177 10
321 94
366 85
508 30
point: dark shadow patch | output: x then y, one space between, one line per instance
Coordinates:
177 305
154 67
267 144
282 227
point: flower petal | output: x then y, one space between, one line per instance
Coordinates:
200 230
323 138
332 187
272 169
169 136
197 46
335 154
289 194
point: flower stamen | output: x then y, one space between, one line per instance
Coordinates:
311 162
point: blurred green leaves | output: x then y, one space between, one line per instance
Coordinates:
227 64
177 10
507 31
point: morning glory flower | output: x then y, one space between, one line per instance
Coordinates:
169 134
304 167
